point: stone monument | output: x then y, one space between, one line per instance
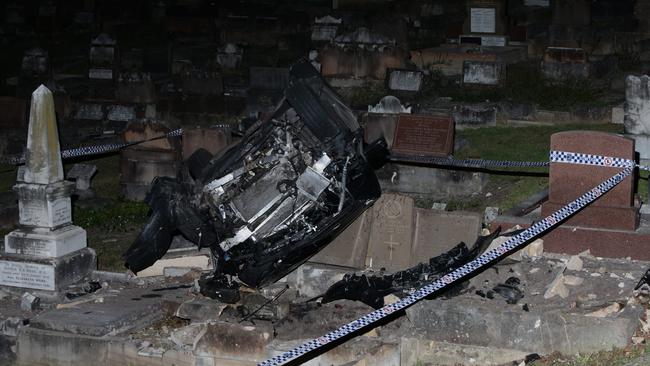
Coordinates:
46 252
637 114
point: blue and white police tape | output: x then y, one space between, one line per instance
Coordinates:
462 272
93 150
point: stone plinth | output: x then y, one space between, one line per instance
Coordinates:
47 274
44 205
615 209
44 242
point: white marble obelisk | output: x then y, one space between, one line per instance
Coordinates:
36 254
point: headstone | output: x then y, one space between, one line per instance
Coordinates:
212 139
82 174
350 248
389 104
561 63
482 20
424 135
437 231
380 125
404 80
474 115
391 233
102 57
35 62
482 73
613 210
229 56
637 113
46 252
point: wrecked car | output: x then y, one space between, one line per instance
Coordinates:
267 204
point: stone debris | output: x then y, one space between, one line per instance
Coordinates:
10 326
606 311
574 263
532 250
29 302
490 214
557 288
573 280
188 336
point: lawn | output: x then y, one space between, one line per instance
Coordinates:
509 186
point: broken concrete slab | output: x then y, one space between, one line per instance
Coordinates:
236 342
468 322
415 351
349 249
134 308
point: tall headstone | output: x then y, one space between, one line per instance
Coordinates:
637 113
46 252
613 210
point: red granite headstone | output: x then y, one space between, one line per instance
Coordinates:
615 209
424 135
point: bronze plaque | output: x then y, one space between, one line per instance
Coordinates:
424 135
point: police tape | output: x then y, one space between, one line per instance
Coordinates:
481 261
93 150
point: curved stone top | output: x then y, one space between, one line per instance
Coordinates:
389 105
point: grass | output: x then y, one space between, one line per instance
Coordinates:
508 187
615 357
524 84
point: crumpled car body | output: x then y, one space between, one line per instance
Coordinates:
271 201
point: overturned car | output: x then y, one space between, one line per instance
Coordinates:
274 199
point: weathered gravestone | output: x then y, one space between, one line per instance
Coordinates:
391 233
637 113
381 119
349 249
212 139
615 209
46 252
482 73
102 57
81 174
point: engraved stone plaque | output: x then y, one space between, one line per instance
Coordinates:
424 135
483 20
28 275
60 211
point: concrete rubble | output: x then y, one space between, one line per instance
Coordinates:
161 320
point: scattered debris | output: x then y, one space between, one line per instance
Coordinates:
606 311
371 289
29 302
573 280
510 290
11 325
574 263
188 336
557 288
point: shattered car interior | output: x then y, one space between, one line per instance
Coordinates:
275 198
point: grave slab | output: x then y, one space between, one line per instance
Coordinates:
349 249
438 231
391 233
131 310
